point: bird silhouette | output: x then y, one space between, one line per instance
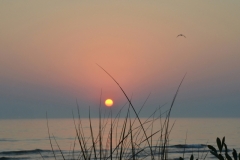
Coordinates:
181 35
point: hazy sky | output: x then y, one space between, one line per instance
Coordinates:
49 51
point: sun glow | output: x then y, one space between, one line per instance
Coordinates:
109 103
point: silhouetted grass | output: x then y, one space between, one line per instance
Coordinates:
134 140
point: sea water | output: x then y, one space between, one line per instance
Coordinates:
29 139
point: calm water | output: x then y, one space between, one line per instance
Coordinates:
26 139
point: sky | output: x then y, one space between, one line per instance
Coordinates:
49 51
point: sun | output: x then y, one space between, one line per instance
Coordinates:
109 102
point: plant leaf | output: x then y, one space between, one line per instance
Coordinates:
223 141
191 158
180 158
219 144
226 149
228 157
220 157
234 153
215 154
212 148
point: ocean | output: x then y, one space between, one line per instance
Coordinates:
29 138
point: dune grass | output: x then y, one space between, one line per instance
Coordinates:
133 135
131 140
123 141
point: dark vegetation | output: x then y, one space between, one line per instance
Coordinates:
134 139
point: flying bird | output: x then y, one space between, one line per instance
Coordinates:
181 35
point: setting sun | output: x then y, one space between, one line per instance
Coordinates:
109 102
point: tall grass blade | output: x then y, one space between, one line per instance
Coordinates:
168 116
93 143
133 148
111 140
80 128
58 147
74 144
41 155
50 138
123 135
79 139
131 106
100 129
185 145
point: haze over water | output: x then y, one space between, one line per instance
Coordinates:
49 51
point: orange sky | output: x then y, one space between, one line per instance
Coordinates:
49 51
